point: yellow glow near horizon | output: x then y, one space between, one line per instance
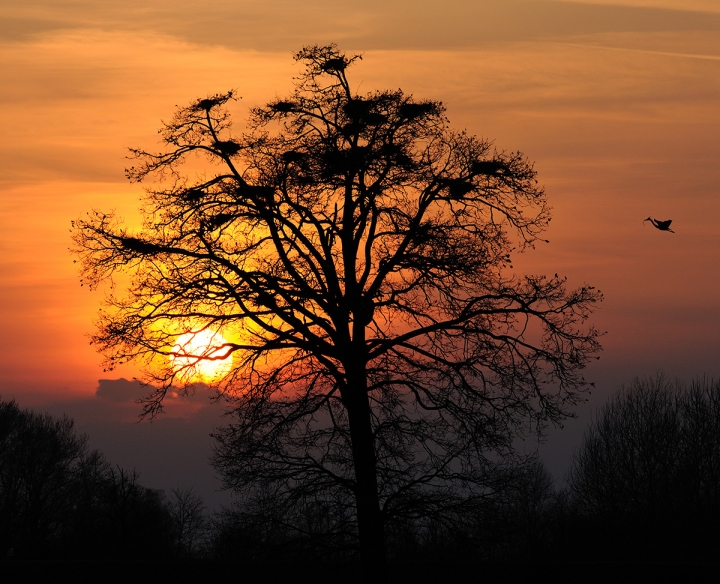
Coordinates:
199 356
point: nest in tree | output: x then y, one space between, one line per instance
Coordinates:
337 64
411 111
283 106
220 219
227 147
360 111
193 195
488 167
258 192
458 187
139 246
207 104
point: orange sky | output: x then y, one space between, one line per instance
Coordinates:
618 104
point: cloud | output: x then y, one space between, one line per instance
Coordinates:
375 24
121 390
124 391
168 451
694 5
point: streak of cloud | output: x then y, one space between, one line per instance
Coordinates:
646 51
372 25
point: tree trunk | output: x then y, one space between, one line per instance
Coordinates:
370 524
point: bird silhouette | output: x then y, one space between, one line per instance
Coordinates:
661 225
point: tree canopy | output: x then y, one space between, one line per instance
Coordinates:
354 252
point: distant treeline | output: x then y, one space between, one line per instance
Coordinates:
643 486
61 500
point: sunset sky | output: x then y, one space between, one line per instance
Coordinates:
617 103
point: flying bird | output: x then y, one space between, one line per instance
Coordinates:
661 225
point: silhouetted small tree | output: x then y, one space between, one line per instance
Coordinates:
529 503
187 513
355 253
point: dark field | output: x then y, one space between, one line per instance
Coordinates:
420 573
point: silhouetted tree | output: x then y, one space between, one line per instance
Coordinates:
188 520
646 479
40 458
528 507
59 498
355 253
135 521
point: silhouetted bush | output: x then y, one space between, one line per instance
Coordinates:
265 526
516 520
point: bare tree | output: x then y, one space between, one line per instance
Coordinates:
188 519
40 459
631 452
647 476
527 505
355 253
58 498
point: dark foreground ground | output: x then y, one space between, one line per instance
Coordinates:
197 572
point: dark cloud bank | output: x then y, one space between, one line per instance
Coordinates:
170 451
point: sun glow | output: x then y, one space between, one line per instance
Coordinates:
201 356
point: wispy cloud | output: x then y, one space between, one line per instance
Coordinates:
646 51
373 24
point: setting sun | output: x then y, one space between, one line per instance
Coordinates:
200 356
